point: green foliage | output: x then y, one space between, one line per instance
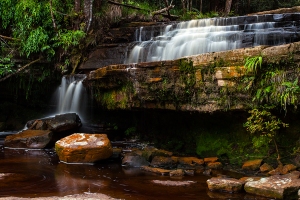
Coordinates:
36 42
264 126
209 145
272 83
262 121
7 10
68 38
187 72
31 24
130 132
6 66
252 63
290 94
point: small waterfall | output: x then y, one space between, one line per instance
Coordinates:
71 95
209 35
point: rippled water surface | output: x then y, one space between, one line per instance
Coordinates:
38 173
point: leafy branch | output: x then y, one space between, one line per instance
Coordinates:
263 123
20 69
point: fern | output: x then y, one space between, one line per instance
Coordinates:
252 63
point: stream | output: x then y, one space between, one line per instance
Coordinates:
38 173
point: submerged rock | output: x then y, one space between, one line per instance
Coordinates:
32 139
83 148
156 170
278 186
173 183
134 160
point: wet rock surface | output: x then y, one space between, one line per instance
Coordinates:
252 164
32 139
173 183
134 160
90 196
277 186
58 123
225 184
83 148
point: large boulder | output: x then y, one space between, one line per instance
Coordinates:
83 148
277 187
32 139
58 123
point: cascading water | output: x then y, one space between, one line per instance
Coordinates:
71 95
209 35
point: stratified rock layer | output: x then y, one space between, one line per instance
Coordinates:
204 83
83 148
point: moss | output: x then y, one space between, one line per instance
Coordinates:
187 73
115 99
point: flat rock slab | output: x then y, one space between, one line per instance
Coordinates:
252 164
278 186
156 170
225 184
83 148
31 139
173 183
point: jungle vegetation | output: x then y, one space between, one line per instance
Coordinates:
40 38
56 32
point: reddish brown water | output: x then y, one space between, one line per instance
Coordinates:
38 173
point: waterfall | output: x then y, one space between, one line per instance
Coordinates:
208 35
71 95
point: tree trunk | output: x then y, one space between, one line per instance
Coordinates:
167 4
97 5
52 16
200 10
162 10
227 7
213 5
248 8
77 9
88 13
183 6
77 6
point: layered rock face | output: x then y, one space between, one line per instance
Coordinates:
203 83
83 148
118 43
194 66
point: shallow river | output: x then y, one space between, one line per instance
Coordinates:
38 173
